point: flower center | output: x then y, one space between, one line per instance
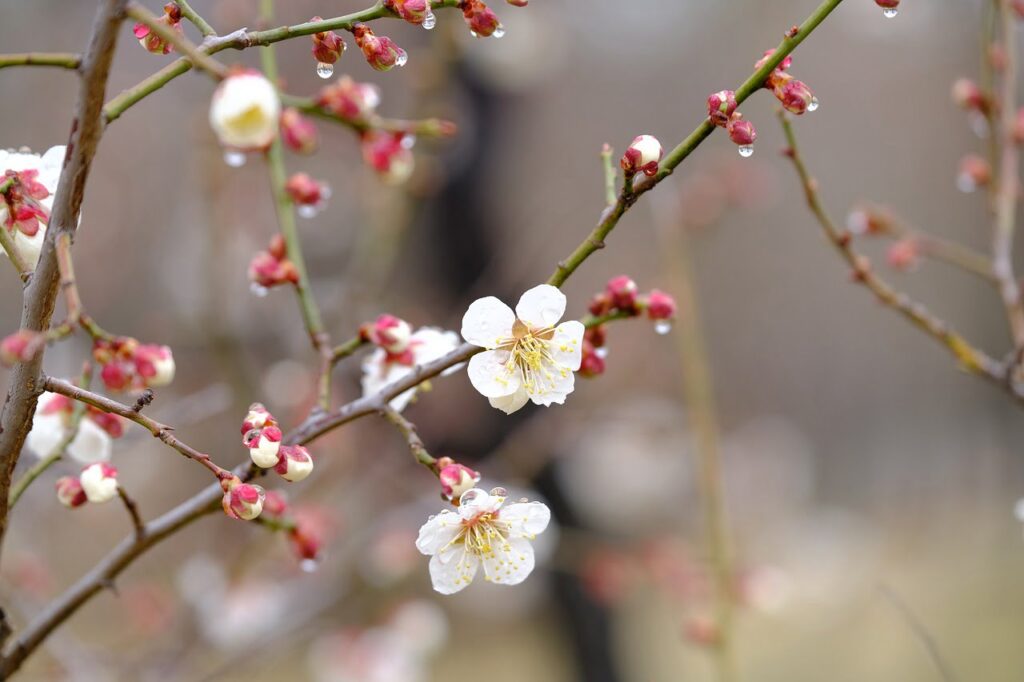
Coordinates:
530 355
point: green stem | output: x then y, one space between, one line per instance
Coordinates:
609 174
193 16
180 43
338 354
428 127
7 242
64 60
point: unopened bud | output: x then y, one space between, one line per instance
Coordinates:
327 45
70 492
622 290
741 131
242 500
294 463
660 306
349 100
99 482
795 96
150 41
974 172
903 254
264 446
721 106
416 12
481 19
19 346
455 478
380 51
298 132
591 363
642 155
390 155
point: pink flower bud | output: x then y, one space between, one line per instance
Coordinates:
721 106
660 306
622 291
974 172
275 504
327 46
298 132
741 131
518 3
455 478
702 631
596 336
380 51
591 364
390 155
888 4
304 190
265 270
482 21
154 365
99 482
151 41
968 95
642 155
783 65
70 492
264 446
20 346
795 96
390 333
111 423
600 304
305 541
257 417
349 100
242 500
903 254
294 463
416 12
869 220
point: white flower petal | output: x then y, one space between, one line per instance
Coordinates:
526 519
30 247
90 444
453 576
487 322
377 374
438 532
490 376
510 562
562 384
541 306
567 344
430 343
511 403
477 501
47 432
50 166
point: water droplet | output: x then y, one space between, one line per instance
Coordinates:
890 12
308 210
235 159
965 183
258 289
324 70
474 34
402 59
813 106
309 565
499 32
408 142
601 352
429 21
746 150
470 496
499 492
662 327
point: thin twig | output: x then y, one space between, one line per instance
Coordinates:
186 11
133 511
180 43
919 631
63 60
408 430
609 174
428 127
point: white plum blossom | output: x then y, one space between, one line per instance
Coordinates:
99 482
529 355
482 533
48 166
49 429
245 111
382 368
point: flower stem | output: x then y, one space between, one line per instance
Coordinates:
64 60
193 16
180 43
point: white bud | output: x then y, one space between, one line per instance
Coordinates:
244 112
99 481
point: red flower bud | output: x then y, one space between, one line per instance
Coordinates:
305 541
348 99
968 95
305 191
903 254
150 41
643 154
242 500
390 155
660 306
20 346
455 478
380 51
795 96
298 132
743 133
622 291
591 364
416 12
482 21
294 463
275 504
327 46
974 172
721 106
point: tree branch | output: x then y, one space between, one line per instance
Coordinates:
180 43
63 60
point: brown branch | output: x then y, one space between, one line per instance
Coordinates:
41 293
408 430
180 43
971 358
133 511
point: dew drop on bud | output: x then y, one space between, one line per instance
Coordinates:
965 183
474 34
429 21
601 352
499 32
890 12
258 290
499 492
470 496
324 70
309 565
746 150
401 59
664 326
234 159
307 211
408 142
813 105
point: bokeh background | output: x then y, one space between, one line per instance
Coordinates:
870 484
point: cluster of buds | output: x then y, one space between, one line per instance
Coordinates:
298 132
150 41
793 94
349 100
391 334
642 156
21 346
21 195
380 51
722 111
242 501
126 364
455 478
389 154
272 268
97 483
309 195
417 12
481 19
262 435
327 49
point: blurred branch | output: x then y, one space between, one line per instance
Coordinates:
631 193
408 430
971 359
63 60
428 127
186 11
7 242
179 41
919 631
133 511
609 174
338 354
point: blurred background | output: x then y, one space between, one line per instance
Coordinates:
870 484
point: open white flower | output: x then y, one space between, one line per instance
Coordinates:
49 166
482 533
529 355
49 429
245 111
382 368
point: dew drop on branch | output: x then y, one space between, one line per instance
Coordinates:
429 21
324 70
965 183
746 150
235 159
890 12
402 59
662 327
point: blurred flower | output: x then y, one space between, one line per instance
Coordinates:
481 19
272 267
25 205
390 155
482 533
99 482
529 355
349 100
127 364
974 172
298 132
21 346
70 492
150 41
382 367
245 111
904 254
